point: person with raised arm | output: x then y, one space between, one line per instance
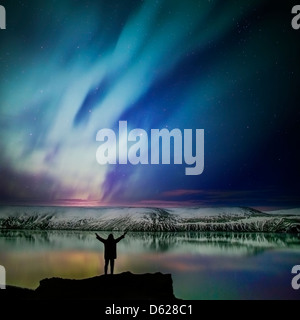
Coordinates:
110 250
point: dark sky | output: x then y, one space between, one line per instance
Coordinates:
70 68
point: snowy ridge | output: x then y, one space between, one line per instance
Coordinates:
291 212
236 219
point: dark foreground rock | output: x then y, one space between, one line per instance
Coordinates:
123 286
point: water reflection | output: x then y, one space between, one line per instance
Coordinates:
187 242
203 265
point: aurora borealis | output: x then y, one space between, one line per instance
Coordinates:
70 68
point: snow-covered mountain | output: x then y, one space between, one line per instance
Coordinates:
284 212
235 219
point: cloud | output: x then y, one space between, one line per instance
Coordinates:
169 203
182 192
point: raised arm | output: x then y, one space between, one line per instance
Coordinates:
99 238
122 237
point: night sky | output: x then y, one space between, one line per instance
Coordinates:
69 68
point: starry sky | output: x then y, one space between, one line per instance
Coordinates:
69 68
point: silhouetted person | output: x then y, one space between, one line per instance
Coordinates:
110 250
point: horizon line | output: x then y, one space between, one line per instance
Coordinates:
142 204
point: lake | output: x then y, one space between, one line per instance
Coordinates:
204 265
